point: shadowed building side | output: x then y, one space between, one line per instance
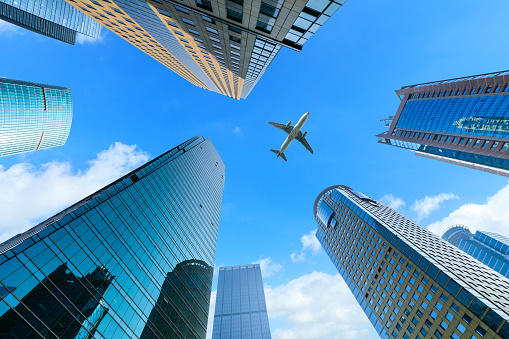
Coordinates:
183 305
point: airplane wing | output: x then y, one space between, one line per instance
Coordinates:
282 127
304 142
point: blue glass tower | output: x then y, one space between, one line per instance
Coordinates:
491 249
240 304
54 18
408 281
133 260
33 116
462 121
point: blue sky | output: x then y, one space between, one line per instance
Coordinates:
345 77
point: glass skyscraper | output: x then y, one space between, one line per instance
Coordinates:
491 249
33 116
54 18
133 260
221 46
410 283
240 304
462 121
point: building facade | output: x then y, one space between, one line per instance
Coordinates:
33 116
408 281
240 311
53 18
462 121
133 260
491 249
221 46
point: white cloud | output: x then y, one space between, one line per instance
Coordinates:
491 216
31 194
392 201
309 242
212 309
238 130
426 206
268 267
82 39
8 29
317 305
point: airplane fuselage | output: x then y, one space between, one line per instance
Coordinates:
294 132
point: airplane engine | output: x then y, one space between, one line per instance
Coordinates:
304 135
288 124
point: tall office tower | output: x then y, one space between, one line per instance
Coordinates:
133 260
240 304
491 249
33 116
409 282
53 18
222 46
187 311
462 121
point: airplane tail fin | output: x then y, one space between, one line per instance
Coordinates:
279 154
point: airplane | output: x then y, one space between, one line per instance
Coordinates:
293 133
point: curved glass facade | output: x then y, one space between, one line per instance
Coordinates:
133 260
33 116
409 282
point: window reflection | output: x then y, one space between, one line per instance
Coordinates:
60 305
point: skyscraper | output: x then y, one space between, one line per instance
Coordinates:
33 116
222 46
240 304
148 240
491 249
408 281
54 18
463 121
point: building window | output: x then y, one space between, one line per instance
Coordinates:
506 88
193 31
477 142
187 21
182 9
485 143
480 90
233 38
488 89
469 141
212 30
205 4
